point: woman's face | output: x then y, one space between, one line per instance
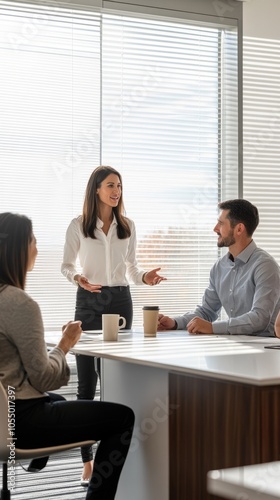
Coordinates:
32 253
110 191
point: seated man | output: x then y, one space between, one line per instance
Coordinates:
246 281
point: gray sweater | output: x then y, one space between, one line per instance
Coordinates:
25 363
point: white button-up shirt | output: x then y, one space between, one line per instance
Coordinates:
106 260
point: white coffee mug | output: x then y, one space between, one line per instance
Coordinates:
111 326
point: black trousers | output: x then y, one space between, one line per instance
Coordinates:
53 421
89 310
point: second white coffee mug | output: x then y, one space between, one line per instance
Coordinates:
111 326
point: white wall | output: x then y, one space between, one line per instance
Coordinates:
261 19
261 117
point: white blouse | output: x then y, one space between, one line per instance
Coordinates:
105 260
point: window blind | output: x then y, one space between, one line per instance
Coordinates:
50 108
261 62
169 105
154 98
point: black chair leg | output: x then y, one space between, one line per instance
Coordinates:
5 493
37 464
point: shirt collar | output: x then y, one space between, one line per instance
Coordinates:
99 223
245 255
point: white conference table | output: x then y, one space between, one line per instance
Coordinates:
214 355
252 482
148 375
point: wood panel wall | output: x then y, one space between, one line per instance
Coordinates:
215 424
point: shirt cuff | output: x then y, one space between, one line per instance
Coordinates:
71 277
220 327
143 278
180 323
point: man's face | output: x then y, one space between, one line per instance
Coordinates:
224 231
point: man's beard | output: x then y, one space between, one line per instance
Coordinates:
226 242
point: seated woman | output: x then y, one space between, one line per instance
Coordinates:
44 419
277 326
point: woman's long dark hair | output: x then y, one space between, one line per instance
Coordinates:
91 204
15 237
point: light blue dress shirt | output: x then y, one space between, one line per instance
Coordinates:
248 288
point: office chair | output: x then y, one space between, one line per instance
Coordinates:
7 453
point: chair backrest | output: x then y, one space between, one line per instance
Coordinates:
5 437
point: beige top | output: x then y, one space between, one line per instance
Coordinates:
25 363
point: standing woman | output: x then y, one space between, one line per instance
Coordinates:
105 242
42 418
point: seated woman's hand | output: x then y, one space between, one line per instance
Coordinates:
277 326
71 333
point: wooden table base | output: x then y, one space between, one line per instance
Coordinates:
216 424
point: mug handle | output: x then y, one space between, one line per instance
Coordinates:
123 323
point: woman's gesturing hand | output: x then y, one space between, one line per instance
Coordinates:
84 283
153 278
